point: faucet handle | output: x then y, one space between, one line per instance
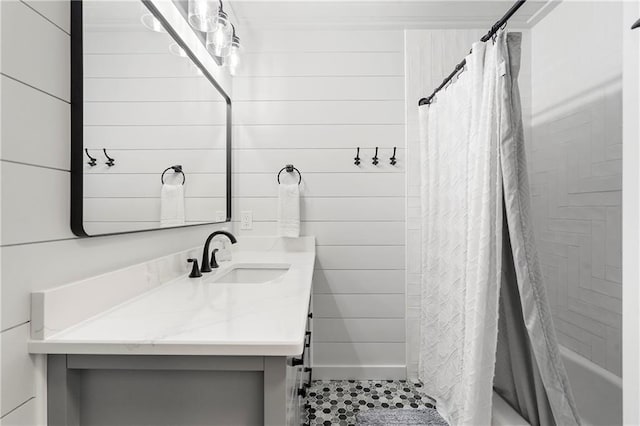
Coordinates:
195 271
214 262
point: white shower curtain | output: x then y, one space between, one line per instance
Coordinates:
461 241
463 137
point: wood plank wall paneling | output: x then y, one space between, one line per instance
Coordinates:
575 167
310 98
18 371
37 248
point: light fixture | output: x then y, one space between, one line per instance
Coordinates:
176 50
233 59
219 40
196 69
151 22
203 14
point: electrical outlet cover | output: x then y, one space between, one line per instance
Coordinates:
246 220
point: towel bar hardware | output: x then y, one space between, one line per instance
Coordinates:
393 160
92 161
356 160
110 161
375 158
176 169
289 169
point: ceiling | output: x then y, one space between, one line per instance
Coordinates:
386 14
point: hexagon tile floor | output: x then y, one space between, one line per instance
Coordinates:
336 402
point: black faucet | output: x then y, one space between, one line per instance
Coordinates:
206 265
214 262
195 271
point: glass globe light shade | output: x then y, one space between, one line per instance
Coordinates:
233 60
203 15
219 40
150 21
176 50
196 69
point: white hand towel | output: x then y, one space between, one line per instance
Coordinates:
289 210
171 205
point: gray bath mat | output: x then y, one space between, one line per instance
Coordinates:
400 417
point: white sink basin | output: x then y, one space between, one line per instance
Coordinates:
251 273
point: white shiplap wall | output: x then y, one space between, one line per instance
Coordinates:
37 248
310 98
576 174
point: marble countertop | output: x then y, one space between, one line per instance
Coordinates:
196 316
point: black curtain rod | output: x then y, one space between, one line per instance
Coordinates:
494 29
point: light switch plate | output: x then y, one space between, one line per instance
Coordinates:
246 220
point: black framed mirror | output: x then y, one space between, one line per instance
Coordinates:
150 125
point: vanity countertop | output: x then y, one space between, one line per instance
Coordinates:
196 316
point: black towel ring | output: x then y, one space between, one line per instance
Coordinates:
289 168
176 169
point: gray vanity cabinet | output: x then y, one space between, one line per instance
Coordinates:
299 375
169 390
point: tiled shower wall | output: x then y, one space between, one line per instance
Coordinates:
575 158
430 55
309 98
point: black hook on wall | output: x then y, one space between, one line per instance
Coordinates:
393 160
356 160
92 161
110 161
375 158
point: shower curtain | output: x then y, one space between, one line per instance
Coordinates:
483 298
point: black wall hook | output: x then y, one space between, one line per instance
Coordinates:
375 158
356 160
92 161
110 161
393 160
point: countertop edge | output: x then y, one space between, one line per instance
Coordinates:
111 348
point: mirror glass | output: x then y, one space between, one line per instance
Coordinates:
149 115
